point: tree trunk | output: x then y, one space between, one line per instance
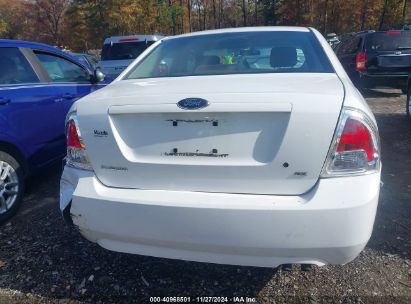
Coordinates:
182 17
199 14
325 16
364 14
383 15
404 10
214 14
244 14
204 15
220 14
255 12
189 15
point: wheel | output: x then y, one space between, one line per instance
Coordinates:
11 186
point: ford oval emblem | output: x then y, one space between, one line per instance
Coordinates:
192 103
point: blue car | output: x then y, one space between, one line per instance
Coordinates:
38 85
85 59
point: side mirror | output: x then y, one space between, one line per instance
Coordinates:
98 75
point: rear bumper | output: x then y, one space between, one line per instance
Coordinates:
383 80
330 224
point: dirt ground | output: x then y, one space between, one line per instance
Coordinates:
44 261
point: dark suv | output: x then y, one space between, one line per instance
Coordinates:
374 59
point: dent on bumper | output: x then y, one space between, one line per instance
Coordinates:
330 224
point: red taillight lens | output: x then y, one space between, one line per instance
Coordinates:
76 150
128 39
360 61
355 148
73 140
356 136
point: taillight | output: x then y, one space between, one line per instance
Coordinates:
360 61
76 150
355 148
73 139
128 39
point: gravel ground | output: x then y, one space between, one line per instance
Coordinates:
44 261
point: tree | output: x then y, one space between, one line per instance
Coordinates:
384 10
84 24
11 19
269 8
48 17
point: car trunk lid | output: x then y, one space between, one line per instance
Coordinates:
266 134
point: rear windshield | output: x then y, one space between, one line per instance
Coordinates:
124 50
388 41
234 53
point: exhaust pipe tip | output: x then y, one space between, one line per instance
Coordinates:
306 267
289 267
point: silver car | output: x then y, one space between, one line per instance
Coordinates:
119 51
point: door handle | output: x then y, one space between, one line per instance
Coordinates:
4 101
68 96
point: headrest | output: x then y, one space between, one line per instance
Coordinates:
210 60
8 65
283 57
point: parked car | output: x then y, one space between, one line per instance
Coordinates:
38 85
264 158
333 40
374 59
86 59
119 51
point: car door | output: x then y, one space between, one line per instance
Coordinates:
27 107
70 79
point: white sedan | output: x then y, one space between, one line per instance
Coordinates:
245 146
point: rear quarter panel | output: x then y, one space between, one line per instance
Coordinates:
352 97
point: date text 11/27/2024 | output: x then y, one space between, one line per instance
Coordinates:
203 299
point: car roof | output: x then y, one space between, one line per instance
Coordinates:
79 54
364 33
117 39
37 46
245 29
29 44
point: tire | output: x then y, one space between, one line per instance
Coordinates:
11 186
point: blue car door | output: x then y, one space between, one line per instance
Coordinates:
70 79
28 108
